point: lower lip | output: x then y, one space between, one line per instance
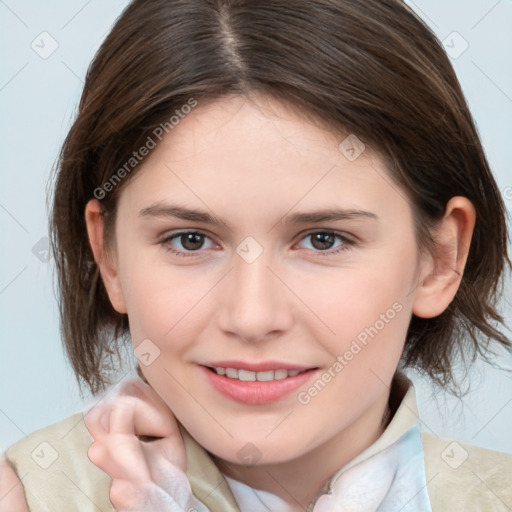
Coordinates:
256 392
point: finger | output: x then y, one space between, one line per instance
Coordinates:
108 452
138 389
162 453
119 452
122 416
98 454
127 497
96 420
135 409
170 489
121 457
142 418
153 417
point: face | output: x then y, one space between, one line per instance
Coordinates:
270 286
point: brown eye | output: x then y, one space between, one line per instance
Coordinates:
186 243
322 241
191 241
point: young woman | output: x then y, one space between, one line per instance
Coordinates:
281 205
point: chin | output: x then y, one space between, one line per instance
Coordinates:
254 453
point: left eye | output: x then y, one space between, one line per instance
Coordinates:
324 240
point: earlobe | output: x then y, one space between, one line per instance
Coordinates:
441 276
95 227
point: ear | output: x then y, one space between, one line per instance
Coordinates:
95 227
441 273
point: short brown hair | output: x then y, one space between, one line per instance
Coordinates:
367 67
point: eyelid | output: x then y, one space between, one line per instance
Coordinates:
342 234
169 235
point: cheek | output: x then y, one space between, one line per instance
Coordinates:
360 296
368 307
160 309
169 306
165 304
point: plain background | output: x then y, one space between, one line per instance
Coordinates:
38 98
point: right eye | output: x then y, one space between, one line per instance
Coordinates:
191 242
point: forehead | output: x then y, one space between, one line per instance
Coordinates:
261 152
236 123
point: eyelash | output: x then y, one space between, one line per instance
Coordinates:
347 242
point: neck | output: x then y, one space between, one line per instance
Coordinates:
300 480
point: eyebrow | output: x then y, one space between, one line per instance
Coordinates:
184 213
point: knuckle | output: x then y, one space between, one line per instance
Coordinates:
96 454
132 388
124 405
124 494
118 494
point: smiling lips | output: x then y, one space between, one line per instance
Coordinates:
255 383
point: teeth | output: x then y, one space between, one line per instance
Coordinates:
265 376
231 373
248 376
280 374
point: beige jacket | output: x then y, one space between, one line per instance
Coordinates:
58 476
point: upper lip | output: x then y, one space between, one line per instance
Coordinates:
257 367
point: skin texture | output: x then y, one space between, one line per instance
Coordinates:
12 498
252 163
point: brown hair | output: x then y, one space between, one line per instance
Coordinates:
367 67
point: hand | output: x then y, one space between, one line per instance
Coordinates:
137 442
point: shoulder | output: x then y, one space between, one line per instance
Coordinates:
462 476
55 470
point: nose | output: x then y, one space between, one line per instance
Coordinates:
255 302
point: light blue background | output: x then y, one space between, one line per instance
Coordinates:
38 98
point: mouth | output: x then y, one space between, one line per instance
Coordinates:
255 384
251 376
